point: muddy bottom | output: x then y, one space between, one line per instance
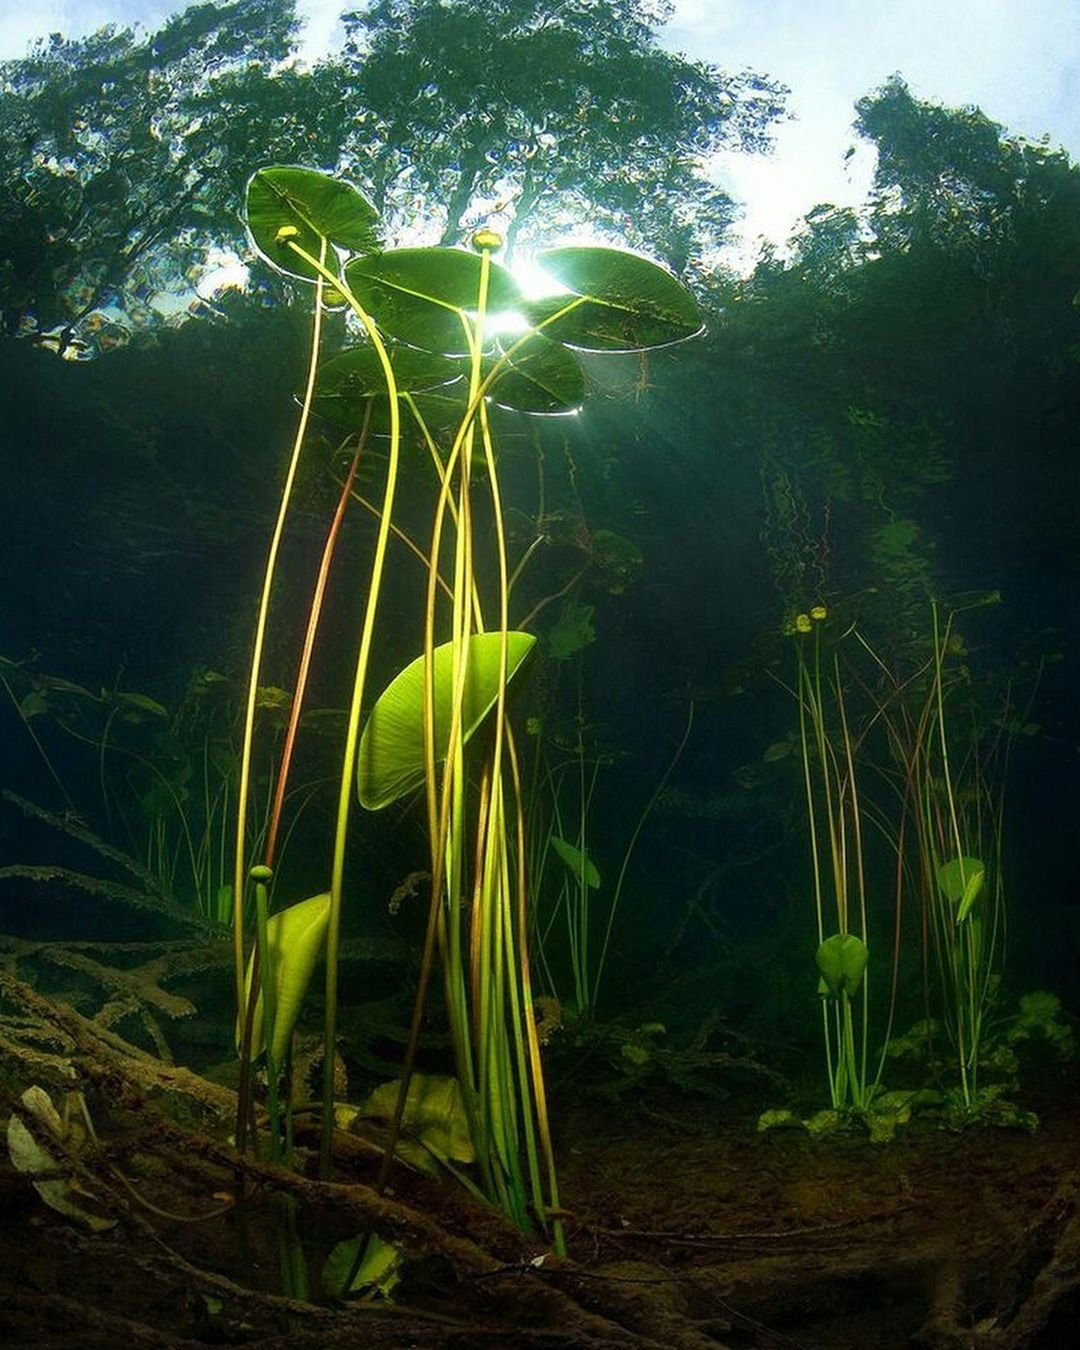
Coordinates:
934 1239
685 1228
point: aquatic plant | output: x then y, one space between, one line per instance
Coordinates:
164 777
438 349
829 752
578 903
960 833
953 767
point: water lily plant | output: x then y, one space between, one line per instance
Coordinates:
442 338
958 815
829 754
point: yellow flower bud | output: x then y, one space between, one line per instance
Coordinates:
287 232
818 613
486 241
802 623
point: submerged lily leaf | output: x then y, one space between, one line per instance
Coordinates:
133 703
961 881
579 863
842 959
288 206
296 936
28 1155
617 558
378 1272
391 760
572 630
434 1114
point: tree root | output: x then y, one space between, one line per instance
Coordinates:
1036 1294
469 1278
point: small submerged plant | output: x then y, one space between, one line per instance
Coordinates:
960 825
829 752
941 820
949 765
581 904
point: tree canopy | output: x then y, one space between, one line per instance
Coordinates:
126 156
929 338
119 149
559 111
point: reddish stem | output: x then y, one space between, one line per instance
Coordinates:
309 645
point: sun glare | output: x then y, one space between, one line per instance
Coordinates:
225 272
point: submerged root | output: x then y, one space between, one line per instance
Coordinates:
1035 1301
159 1157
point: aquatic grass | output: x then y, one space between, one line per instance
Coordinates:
166 776
958 811
950 768
579 893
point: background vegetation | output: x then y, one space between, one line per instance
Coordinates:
887 411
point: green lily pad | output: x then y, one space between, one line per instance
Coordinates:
627 302
287 206
419 295
542 377
348 381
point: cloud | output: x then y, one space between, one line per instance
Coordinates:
1019 63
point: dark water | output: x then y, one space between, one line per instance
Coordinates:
869 428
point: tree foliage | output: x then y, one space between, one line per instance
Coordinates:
916 352
127 156
117 146
945 176
530 103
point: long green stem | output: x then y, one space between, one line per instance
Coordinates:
239 860
314 615
352 737
261 876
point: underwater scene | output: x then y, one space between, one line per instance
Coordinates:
540 776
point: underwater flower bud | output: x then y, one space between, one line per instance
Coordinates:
818 613
486 240
802 623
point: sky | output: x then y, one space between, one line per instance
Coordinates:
1018 62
